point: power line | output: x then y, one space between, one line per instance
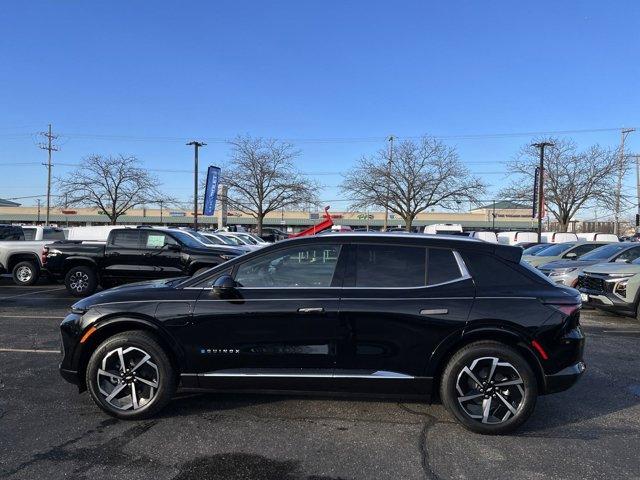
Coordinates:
50 147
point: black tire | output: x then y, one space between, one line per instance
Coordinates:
522 400
163 376
25 273
81 281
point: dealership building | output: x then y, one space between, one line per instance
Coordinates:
502 215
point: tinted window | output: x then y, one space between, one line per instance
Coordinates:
390 266
442 266
304 266
604 252
629 255
125 238
535 249
29 233
555 249
586 248
11 233
52 234
186 239
488 271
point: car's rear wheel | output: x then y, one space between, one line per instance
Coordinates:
130 376
25 273
81 281
489 387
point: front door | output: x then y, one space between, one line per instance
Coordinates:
279 323
398 303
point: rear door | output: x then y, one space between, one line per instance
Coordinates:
124 256
398 303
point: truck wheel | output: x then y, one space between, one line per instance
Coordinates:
25 273
81 281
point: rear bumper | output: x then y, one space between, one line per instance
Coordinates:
565 378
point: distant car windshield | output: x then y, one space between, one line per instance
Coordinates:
232 240
202 238
535 249
226 240
186 239
247 238
604 252
555 250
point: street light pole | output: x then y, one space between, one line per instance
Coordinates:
386 200
541 146
196 147
623 136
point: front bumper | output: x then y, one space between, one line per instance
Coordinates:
606 301
565 378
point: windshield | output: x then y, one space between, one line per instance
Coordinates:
555 250
231 240
213 240
226 240
535 249
202 238
186 239
605 252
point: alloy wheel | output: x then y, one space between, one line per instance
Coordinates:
24 274
490 390
128 378
79 281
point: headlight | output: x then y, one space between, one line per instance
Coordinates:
620 288
561 271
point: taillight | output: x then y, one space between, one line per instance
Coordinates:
571 313
566 309
44 254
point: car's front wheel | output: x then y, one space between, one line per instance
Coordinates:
130 376
489 387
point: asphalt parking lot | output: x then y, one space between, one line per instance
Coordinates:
49 431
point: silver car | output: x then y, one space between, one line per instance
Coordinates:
566 271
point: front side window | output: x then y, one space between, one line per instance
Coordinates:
303 266
158 240
628 256
555 250
586 248
390 266
605 252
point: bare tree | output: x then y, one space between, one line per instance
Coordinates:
262 178
572 179
416 176
112 185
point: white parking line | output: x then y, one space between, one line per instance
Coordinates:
32 293
32 316
27 350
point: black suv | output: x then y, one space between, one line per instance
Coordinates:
412 315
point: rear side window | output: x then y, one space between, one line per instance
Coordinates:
126 238
52 234
489 271
29 234
390 266
442 266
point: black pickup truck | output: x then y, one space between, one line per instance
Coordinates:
130 255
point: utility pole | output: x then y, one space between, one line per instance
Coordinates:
493 216
48 145
38 221
196 147
637 157
623 136
160 202
541 146
386 200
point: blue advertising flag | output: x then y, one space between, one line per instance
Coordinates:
211 190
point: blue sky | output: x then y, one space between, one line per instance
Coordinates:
154 73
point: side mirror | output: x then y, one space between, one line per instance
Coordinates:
173 247
224 282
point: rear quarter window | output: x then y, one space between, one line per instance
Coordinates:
490 271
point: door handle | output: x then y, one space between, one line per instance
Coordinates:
434 311
311 310
114 254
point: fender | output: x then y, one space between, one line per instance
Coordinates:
110 325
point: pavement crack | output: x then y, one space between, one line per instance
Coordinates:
429 422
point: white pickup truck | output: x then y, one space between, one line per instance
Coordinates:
21 255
